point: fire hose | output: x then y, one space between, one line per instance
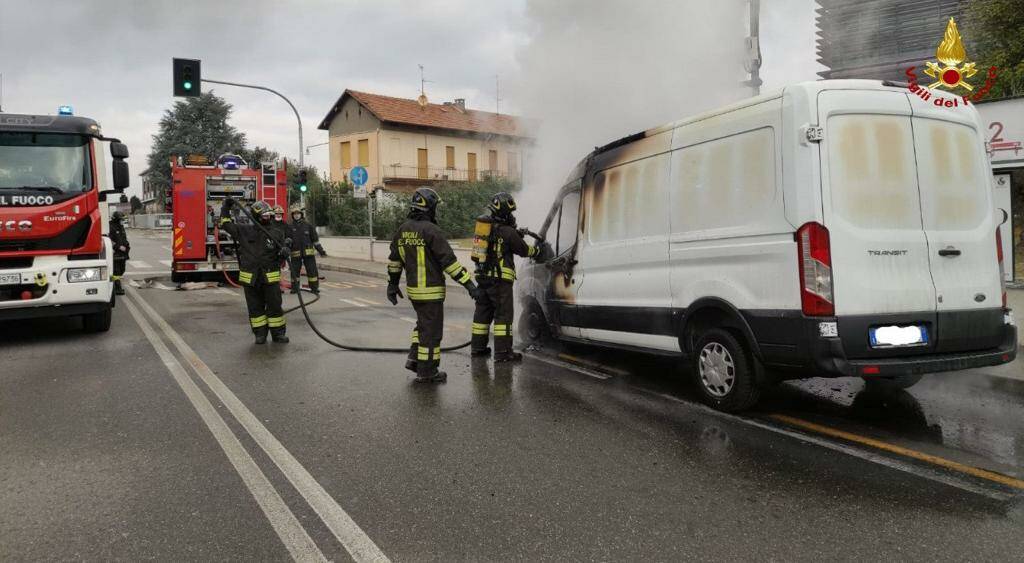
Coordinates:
305 313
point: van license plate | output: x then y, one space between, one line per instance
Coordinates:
892 336
10 279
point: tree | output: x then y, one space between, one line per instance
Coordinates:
258 155
996 40
194 126
136 204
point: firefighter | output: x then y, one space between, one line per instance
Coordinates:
119 238
259 267
278 214
420 249
304 242
495 276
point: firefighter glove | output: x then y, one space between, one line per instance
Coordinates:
321 251
394 293
475 293
284 252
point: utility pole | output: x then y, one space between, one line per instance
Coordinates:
752 61
497 95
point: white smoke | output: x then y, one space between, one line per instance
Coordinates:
596 70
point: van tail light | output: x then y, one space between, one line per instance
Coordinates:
815 260
1002 267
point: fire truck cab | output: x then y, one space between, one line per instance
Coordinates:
54 259
199 250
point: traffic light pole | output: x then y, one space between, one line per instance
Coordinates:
290 104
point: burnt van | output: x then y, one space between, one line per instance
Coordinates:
835 228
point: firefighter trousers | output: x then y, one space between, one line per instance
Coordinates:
119 265
426 337
312 274
495 306
264 303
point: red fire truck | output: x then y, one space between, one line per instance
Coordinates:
199 250
54 259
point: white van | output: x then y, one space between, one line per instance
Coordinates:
835 228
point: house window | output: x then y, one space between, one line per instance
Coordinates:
492 160
513 165
346 155
471 165
364 152
421 164
449 157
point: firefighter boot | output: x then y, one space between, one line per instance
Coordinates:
279 336
427 372
508 357
261 335
479 347
118 288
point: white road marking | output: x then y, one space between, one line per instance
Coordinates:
408 319
356 303
284 522
167 248
351 536
338 285
363 283
228 291
148 273
367 301
567 365
139 264
166 263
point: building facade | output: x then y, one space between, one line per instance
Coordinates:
880 39
403 143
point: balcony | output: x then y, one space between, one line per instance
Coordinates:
400 172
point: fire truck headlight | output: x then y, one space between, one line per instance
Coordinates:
76 275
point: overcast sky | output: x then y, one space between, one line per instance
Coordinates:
111 60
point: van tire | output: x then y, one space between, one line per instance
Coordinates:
724 371
533 326
97 322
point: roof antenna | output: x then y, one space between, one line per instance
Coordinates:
497 95
423 94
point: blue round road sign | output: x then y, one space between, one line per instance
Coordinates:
358 176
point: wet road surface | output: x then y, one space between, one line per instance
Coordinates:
112 448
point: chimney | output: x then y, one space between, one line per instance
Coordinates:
460 103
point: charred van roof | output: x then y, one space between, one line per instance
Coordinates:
49 124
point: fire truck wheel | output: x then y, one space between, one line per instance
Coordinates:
97 322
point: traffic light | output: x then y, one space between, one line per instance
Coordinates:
303 186
187 78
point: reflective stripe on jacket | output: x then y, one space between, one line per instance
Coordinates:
420 249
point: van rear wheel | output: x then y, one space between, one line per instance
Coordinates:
724 371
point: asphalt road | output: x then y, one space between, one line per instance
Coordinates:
172 437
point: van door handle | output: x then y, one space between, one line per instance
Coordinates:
949 251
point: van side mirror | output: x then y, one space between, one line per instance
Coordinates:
1006 216
120 173
118 150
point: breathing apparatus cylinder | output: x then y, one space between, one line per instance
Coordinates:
481 239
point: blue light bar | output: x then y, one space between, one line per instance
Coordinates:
65 110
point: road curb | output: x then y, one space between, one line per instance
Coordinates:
351 270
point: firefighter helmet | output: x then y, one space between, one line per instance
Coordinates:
502 205
262 210
278 212
425 199
300 210
117 216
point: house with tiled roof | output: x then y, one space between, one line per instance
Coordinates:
405 143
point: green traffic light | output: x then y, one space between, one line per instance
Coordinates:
187 85
303 188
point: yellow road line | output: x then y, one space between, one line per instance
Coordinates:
892 448
593 365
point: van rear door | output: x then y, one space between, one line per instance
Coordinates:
872 209
957 212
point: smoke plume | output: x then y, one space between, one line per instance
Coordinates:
593 71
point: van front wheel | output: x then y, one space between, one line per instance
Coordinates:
723 371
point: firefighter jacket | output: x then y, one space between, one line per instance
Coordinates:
119 237
421 251
259 257
506 242
305 241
